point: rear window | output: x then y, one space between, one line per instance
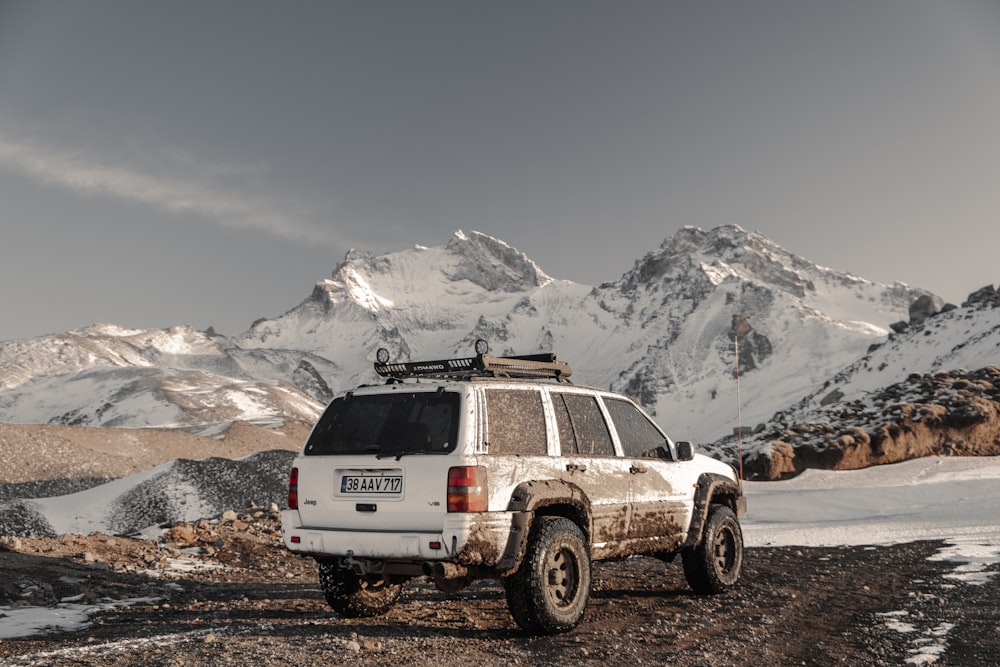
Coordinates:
516 422
388 425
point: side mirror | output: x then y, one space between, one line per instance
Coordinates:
685 450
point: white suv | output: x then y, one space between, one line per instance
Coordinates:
498 467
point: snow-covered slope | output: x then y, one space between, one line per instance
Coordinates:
933 387
964 337
105 375
663 332
180 490
687 304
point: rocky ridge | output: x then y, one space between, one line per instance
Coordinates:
869 415
946 413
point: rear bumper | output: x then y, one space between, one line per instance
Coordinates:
471 539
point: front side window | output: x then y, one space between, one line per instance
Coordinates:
638 435
388 425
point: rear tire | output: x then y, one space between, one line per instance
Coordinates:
714 566
354 596
549 591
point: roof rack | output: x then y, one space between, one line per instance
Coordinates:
483 364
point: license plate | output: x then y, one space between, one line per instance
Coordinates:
371 485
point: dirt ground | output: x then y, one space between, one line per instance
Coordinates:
224 592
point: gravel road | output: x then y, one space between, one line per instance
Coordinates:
225 593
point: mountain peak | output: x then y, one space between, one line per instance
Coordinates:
492 264
709 257
729 251
366 280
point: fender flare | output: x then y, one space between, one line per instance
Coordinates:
530 497
713 488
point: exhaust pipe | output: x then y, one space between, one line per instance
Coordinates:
448 577
450 570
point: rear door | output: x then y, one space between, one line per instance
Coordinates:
380 461
590 462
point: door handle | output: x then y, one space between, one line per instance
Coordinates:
575 467
636 469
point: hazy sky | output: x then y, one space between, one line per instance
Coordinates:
205 163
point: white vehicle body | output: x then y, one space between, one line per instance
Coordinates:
447 477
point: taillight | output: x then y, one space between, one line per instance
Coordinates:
467 490
293 490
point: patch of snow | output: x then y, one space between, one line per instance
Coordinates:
67 615
189 565
975 556
893 622
927 646
79 654
363 293
936 498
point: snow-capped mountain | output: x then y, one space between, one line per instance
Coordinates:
662 332
425 303
106 375
687 307
665 332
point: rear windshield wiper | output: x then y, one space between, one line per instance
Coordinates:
402 453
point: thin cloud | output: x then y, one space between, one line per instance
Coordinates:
86 175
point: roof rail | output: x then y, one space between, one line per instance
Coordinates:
543 365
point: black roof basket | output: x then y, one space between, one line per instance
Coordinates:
543 365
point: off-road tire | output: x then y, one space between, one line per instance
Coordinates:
355 596
714 566
549 592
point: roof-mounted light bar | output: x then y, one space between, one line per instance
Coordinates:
483 364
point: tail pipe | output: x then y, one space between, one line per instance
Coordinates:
443 570
448 577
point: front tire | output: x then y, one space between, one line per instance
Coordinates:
354 596
549 592
714 566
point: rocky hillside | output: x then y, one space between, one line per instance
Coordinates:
930 389
950 413
182 489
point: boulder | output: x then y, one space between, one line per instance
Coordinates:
926 305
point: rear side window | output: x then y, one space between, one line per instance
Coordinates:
582 429
388 424
638 435
516 422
